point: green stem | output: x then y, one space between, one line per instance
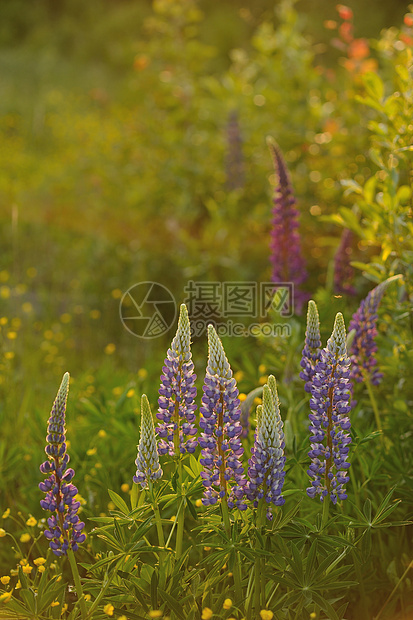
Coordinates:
326 506
259 576
158 522
181 516
237 581
78 585
225 515
374 405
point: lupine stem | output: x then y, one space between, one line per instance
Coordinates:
326 505
237 580
78 585
259 582
181 516
374 405
158 522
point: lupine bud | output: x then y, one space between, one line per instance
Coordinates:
330 407
177 394
266 465
363 348
223 474
286 256
147 461
312 347
65 527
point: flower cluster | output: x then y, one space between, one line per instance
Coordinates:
363 348
329 418
147 461
177 394
223 474
312 346
343 271
266 465
65 527
286 256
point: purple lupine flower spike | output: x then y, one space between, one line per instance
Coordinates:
312 347
65 527
266 465
147 461
223 474
364 323
286 256
343 271
330 423
177 394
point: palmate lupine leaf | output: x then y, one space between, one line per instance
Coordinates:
65 528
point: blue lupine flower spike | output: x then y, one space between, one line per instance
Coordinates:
65 527
363 348
312 346
330 406
266 465
147 461
177 394
223 474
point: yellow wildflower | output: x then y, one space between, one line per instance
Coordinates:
41 569
155 613
130 393
261 369
198 503
266 614
242 397
39 561
31 522
124 487
207 613
6 513
5 580
27 569
102 433
110 348
24 538
54 604
227 603
6 596
87 597
2 532
18 585
8 355
142 373
109 609
23 562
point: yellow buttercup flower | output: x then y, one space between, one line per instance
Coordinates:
27 569
110 348
6 513
227 603
155 613
41 569
54 604
5 580
130 393
2 532
6 596
31 522
24 538
87 597
109 609
124 487
207 613
39 561
266 614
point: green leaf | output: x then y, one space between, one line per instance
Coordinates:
374 85
154 590
191 509
173 604
119 502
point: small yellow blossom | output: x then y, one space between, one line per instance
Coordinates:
24 538
173 518
23 562
54 604
130 393
207 548
6 596
266 614
12 335
6 513
124 487
110 348
4 292
14 572
31 522
116 293
155 613
5 580
198 503
53 566
2 532
41 569
239 375
109 609
8 355
313 615
87 597
117 391
27 569
257 401
18 585
227 603
91 451
242 397
142 373
207 613
102 433
263 380
261 369
4 320
65 607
